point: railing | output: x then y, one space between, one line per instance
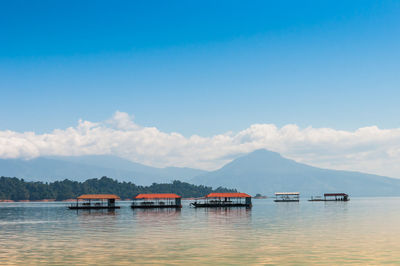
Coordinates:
220 202
87 204
152 203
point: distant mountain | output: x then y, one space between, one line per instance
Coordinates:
261 171
267 172
80 168
115 162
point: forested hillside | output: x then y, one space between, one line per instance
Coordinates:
18 189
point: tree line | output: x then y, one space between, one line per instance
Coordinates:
12 188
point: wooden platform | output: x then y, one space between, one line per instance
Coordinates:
219 205
327 200
92 207
155 206
331 197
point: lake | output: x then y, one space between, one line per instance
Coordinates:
361 231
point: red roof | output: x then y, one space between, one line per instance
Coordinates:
157 196
98 196
228 195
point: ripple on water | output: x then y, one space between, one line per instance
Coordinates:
362 231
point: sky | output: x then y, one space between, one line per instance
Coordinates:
204 71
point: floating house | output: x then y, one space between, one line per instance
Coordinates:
287 197
316 198
336 197
332 197
224 200
150 201
95 201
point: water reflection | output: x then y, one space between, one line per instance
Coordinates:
362 231
156 213
96 222
156 218
227 215
94 212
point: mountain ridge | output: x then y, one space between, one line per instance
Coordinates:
267 172
260 171
81 168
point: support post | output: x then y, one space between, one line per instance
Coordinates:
178 202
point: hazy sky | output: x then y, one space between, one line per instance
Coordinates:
200 67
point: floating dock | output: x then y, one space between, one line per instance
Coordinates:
224 200
95 202
287 197
152 201
331 197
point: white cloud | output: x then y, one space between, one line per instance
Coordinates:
367 149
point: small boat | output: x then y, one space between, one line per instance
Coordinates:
95 201
224 200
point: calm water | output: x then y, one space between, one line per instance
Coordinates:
362 231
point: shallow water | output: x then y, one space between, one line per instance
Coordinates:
361 231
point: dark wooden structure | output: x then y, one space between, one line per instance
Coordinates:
95 201
161 200
336 197
218 200
332 197
287 197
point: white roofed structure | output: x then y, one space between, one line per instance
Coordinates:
287 196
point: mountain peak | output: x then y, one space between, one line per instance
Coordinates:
264 153
266 172
261 159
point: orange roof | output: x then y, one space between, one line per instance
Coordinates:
228 195
98 196
157 196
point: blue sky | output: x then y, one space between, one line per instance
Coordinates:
200 67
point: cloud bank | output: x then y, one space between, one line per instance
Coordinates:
367 149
